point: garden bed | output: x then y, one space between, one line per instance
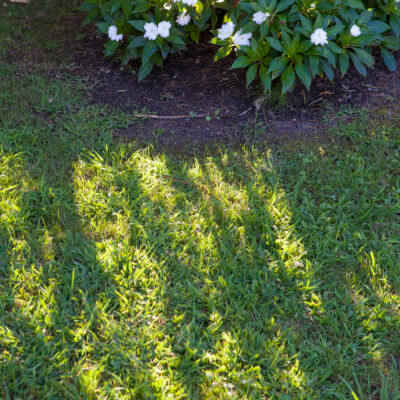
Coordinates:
192 84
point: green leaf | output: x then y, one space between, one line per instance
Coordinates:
334 48
165 47
288 79
278 64
265 48
332 32
137 41
148 50
329 55
254 45
344 61
92 15
327 68
116 5
366 58
157 59
222 52
142 7
195 35
304 46
378 26
388 59
249 27
246 7
304 74
392 43
111 47
365 16
314 65
283 5
144 70
251 73
276 44
86 6
360 67
265 77
106 15
264 27
354 4
176 40
241 62
137 24
395 24
128 55
127 6
306 23
103 27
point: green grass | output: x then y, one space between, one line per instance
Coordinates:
38 35
239 274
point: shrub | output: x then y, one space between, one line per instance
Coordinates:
275 40
149 30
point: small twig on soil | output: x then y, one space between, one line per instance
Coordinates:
372 88
369 86
315 101
347 89
169 116
194 83
245 111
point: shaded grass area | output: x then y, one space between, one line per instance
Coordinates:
39 35
128 273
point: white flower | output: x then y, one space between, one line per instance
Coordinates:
191 3
226 30
113 33
355 31
163 28
259 17
151 31
241 39
183 19
319 36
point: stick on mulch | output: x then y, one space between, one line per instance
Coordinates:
169 116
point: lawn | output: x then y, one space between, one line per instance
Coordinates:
244 272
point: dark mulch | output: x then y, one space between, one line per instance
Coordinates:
190 84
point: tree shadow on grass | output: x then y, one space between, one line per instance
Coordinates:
56 282
136 276
323 331
52 278
254 294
